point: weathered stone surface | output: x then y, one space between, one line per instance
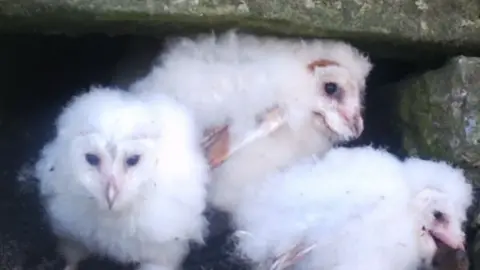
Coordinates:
440 113
453 25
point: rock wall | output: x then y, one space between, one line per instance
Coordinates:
440 112
388 26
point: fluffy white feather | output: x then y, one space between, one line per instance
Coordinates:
232 79
354 213
357 208
442 195
443 177
141 197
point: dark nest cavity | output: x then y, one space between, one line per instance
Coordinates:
41 73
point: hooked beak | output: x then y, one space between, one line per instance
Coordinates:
443 233
354 124
111 191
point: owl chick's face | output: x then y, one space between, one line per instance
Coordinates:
338 106
439 223
113 172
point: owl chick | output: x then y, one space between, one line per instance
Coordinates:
268 101
320 215
124 177
442 196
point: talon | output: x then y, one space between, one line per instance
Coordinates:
216 145
291 257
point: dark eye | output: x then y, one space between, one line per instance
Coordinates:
438 215
133 160
92 159
330 88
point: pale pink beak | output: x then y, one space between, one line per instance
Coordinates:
111 191
355 123
443 233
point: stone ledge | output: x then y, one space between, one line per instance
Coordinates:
450 26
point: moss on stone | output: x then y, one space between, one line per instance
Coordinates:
439 113
452 25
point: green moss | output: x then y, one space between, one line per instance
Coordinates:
394 25
439 113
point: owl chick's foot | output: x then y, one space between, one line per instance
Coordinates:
217 145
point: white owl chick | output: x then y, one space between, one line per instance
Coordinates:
273 100
364 216
124 177
442 197
353 216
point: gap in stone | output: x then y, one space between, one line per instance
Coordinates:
41 73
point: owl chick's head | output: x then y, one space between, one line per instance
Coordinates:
113 146
441 198
340 72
